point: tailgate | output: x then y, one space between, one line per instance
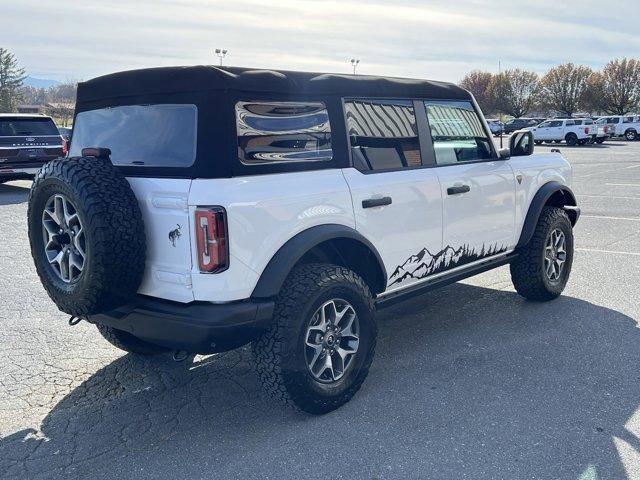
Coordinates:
163 202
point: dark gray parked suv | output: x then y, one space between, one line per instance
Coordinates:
26 143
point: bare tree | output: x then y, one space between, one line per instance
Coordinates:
565 88
11 78
516 91
616 90
479 84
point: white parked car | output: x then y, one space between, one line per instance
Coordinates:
626 126
203 208
559 129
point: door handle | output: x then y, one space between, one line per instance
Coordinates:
376 202
455 190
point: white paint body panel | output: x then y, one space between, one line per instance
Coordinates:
163 202
412 222
484 216
265 211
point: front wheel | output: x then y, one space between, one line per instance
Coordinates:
631 135
320 345
541 270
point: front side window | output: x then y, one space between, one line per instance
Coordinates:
283 132
383 134
570 123
614 120
457 132
555 123
161 135
544 125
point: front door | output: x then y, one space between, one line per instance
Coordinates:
396 200
478 190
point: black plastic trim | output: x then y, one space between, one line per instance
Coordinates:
535 209
287 256
200 327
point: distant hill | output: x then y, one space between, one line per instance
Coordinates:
40 82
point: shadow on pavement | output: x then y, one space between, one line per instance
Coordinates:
468 382
13 194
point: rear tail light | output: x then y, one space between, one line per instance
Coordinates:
586 130
211 238
65 147
606 129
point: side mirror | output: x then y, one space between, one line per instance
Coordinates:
521 143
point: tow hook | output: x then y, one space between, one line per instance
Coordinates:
180 355
73 320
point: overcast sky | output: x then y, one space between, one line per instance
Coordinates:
438 39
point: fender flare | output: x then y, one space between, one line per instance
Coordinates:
537 204
278 268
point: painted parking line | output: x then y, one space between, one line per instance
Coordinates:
623 184
608 196
597 250
611 218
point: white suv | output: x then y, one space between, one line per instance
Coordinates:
627 126
202 208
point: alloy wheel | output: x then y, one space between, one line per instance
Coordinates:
555 254
64 240
331 340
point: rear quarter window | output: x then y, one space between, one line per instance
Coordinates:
160 135
274 132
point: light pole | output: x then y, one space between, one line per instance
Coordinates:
221 53
354 64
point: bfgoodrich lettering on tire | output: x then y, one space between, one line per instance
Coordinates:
86 234
321 343
542 269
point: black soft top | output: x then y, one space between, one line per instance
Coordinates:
210 78
215 92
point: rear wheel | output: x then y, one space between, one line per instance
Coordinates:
538 142
321 343
600 140
128 342
631 134
542 269
571 139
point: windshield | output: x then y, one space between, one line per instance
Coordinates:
15 127
140 135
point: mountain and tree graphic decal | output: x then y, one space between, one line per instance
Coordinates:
424 263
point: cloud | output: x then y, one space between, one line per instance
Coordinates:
429 39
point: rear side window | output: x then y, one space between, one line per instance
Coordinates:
283 132
383 134
458 135
16 127
140 135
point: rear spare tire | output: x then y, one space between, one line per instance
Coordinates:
86 234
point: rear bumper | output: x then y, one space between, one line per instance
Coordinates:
199 327
18 173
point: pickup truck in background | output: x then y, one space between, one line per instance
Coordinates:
27 141
627 126
597 132
559 129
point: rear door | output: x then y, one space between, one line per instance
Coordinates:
152 136
478 189
396 198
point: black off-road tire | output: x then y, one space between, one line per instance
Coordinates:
113 231
600 140
571 139
128 342
279 353
527 271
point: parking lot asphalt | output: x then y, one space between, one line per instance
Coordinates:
470 381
